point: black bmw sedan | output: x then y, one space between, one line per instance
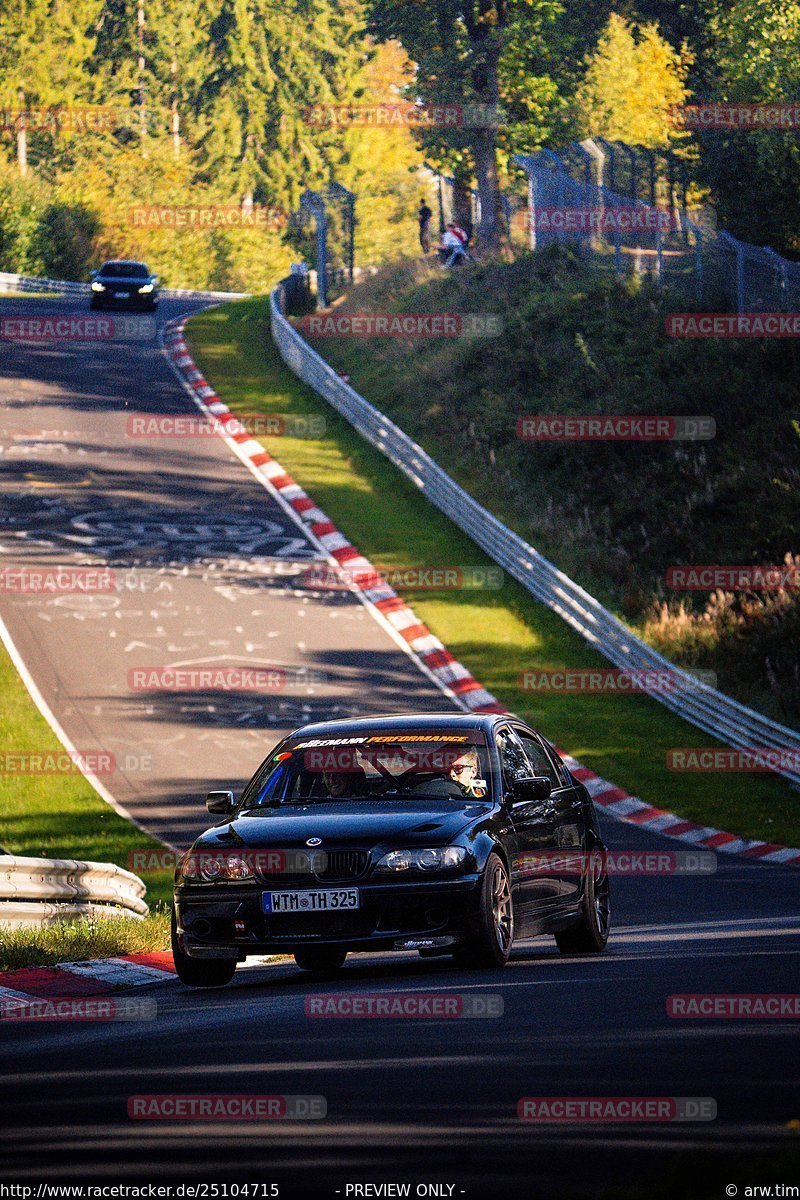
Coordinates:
448 835
124 284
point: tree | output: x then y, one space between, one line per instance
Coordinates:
176 44
467 53
43 48
754 175
633 79
268 65
382 163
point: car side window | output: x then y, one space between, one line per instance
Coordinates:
539 758
512 757
563 773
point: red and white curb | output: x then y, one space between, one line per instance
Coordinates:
84 979
431 655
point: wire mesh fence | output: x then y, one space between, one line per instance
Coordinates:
625 209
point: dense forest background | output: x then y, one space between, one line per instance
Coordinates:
211 103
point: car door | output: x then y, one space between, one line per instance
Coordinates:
567 811
535 886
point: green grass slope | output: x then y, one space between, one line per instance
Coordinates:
498 634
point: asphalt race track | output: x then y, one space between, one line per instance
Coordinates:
208 574
425 1101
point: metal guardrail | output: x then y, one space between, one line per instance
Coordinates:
39 891
732 723
30 283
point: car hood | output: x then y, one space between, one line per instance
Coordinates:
356 825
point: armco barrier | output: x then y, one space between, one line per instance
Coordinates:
39 891
732 723
29 283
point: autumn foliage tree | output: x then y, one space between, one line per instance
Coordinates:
633 79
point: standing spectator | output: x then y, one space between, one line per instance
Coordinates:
424 216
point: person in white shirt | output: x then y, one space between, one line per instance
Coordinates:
453 248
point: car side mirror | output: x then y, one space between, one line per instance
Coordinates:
531 788
220 804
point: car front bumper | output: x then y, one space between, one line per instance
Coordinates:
228 922
133 300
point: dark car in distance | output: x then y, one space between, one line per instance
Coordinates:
446 834
123 283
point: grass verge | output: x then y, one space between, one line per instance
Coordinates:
615 516
61 816
76 941
497 634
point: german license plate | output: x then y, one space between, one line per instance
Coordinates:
319 900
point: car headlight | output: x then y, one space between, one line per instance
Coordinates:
208 867
439 858
98 287
148 287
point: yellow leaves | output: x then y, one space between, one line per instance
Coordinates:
633 79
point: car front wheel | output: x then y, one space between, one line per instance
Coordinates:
590 934
494 933
200 972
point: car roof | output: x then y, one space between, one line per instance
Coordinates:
402 722
124 262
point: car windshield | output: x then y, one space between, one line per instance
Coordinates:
373 767
124 270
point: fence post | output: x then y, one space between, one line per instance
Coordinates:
631 155
781 266
532 209
698 260
736 246
590 147
314 203
651 174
